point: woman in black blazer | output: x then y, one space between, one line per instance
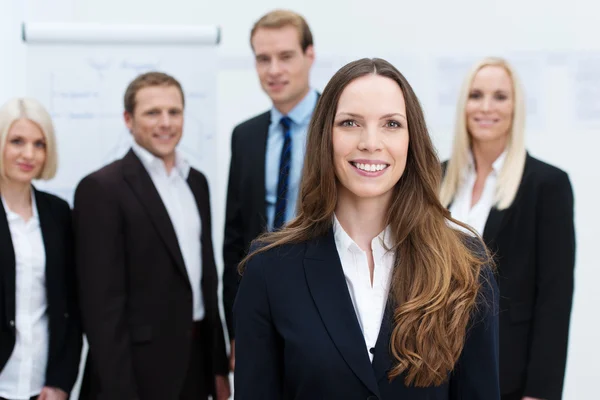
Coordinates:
523 209
369 293
40 334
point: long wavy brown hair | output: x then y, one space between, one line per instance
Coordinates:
435 282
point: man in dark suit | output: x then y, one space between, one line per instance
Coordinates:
146 269
267 151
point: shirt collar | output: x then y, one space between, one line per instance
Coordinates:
151 162
301 113
380 244
12 216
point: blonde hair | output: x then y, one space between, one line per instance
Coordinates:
32 110
512 170
280 18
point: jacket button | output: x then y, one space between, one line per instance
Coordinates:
66 315
372 350
12 322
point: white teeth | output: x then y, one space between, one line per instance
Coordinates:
370 167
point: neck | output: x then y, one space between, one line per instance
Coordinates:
286 107
362 219
16 194
486 153
169 163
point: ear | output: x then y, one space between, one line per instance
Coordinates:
310 54
128 120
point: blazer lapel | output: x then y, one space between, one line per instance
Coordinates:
140 182
7 266
382 360
260 153
327 286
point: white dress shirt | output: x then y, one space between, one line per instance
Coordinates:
368 301
181 206
24 374
476 215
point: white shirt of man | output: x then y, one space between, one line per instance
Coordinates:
181 206
24 374
476 216
369 301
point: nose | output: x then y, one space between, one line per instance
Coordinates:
486 104
165 119
370 139
28 151
274 67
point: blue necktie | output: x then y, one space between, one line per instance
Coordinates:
284 173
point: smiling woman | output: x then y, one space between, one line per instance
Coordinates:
40 333
523 209
368 292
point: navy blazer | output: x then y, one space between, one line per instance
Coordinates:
298 336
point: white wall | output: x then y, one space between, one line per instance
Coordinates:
549 38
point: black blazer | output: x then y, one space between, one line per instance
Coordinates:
136 297
245 214
65 341
534 245
246 209
298 336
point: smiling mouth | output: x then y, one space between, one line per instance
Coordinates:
486 121
369 167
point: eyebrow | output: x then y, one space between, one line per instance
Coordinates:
353 115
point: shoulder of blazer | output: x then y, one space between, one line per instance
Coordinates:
248 128
56 203
107 174
543 172
278 257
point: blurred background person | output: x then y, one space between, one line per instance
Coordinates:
40 333
523 209
267 151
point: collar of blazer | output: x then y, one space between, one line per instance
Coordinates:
142 186
327 284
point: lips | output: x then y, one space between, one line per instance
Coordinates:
26 167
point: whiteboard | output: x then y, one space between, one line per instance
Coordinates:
80 73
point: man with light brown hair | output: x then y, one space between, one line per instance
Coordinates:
146 269
267 151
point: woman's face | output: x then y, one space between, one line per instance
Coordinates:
24 152
370 138
490 105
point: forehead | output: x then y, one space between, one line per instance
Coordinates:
163 96
26 128
492 77
372 94
275 40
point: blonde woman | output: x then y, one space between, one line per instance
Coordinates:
40 334
523 209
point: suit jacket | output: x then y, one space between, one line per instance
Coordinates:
534 245
298 336
64 349
246 209
136 297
